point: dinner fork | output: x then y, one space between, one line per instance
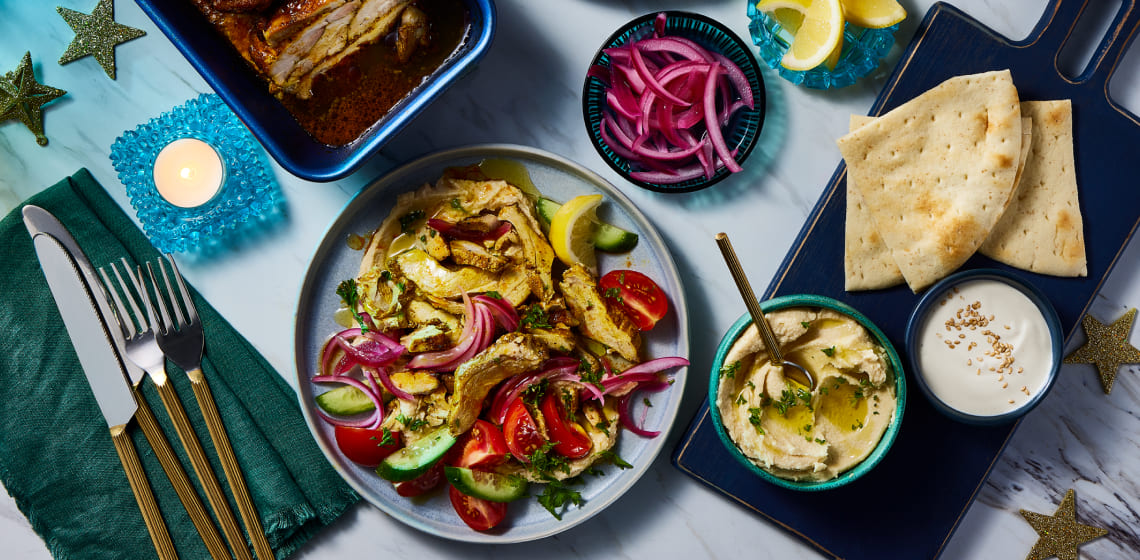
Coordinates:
142 348
184 342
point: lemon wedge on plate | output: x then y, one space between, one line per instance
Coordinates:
873 14
820 33
572 231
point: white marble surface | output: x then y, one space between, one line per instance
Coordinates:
527 91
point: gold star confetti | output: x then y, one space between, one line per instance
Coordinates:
96 34
22 98
1107 347
1059 534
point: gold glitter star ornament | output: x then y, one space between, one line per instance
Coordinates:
96 34
1059 534
22 98
1107 347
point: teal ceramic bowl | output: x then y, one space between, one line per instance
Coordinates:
896 365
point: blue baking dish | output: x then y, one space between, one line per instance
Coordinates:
248 95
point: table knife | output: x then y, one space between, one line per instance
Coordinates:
40 221
92 341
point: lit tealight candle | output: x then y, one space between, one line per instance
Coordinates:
188 172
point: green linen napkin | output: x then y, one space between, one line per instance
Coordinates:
56 455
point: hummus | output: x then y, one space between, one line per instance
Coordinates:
799 434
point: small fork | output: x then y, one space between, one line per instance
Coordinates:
142 348
184 342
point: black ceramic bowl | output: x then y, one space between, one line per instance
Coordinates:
270 122
743 129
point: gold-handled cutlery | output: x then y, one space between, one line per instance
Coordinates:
184 342
90 335
745 289
142 348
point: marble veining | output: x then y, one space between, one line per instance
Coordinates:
527 91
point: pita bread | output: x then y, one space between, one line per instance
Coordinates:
867 262
1042 230
937 172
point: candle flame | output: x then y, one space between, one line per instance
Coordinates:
186 173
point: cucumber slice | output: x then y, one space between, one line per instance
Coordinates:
608 238
415 459
614 239
490 486
345 401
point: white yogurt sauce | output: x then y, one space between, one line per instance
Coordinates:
984 348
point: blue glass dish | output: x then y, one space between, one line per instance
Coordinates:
936 293
248 95
862 51
893 361
248 197
742 131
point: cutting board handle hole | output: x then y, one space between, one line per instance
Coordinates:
1079 52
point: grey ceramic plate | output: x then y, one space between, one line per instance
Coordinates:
558 179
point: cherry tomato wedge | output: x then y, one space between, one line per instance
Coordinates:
521 432
364 446
570 438
422 483
477 513
637 294
482 446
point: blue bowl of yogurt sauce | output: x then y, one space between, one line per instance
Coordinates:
984 346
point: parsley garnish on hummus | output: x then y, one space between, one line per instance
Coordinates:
730 370
829 351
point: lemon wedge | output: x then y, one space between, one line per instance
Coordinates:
572 231
873 14
788 13
817 37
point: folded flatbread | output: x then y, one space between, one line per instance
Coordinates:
867 262
936 173
1042 230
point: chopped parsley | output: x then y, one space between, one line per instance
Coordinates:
423 239
588 375
493 294
829 351
730 370
741 400
805 324
410 424
543 462
857 425
556 495
457 204
613 293
786 401
820 441
807 427
535 318
805 396
604 427
646 402
615 459
822 390
754 419
347 292
387 439
385 275
531 395
407 220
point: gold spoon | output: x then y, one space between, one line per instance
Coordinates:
754 309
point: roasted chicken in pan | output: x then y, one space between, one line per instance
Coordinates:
293 42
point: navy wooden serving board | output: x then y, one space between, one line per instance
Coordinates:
910 504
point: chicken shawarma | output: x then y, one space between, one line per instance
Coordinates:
338 65
473 354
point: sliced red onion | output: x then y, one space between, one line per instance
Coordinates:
624 412
496 229
651 80
502 310
371 421
712 126
386 381
437 360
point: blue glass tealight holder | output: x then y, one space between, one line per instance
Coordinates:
247 198
862 51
